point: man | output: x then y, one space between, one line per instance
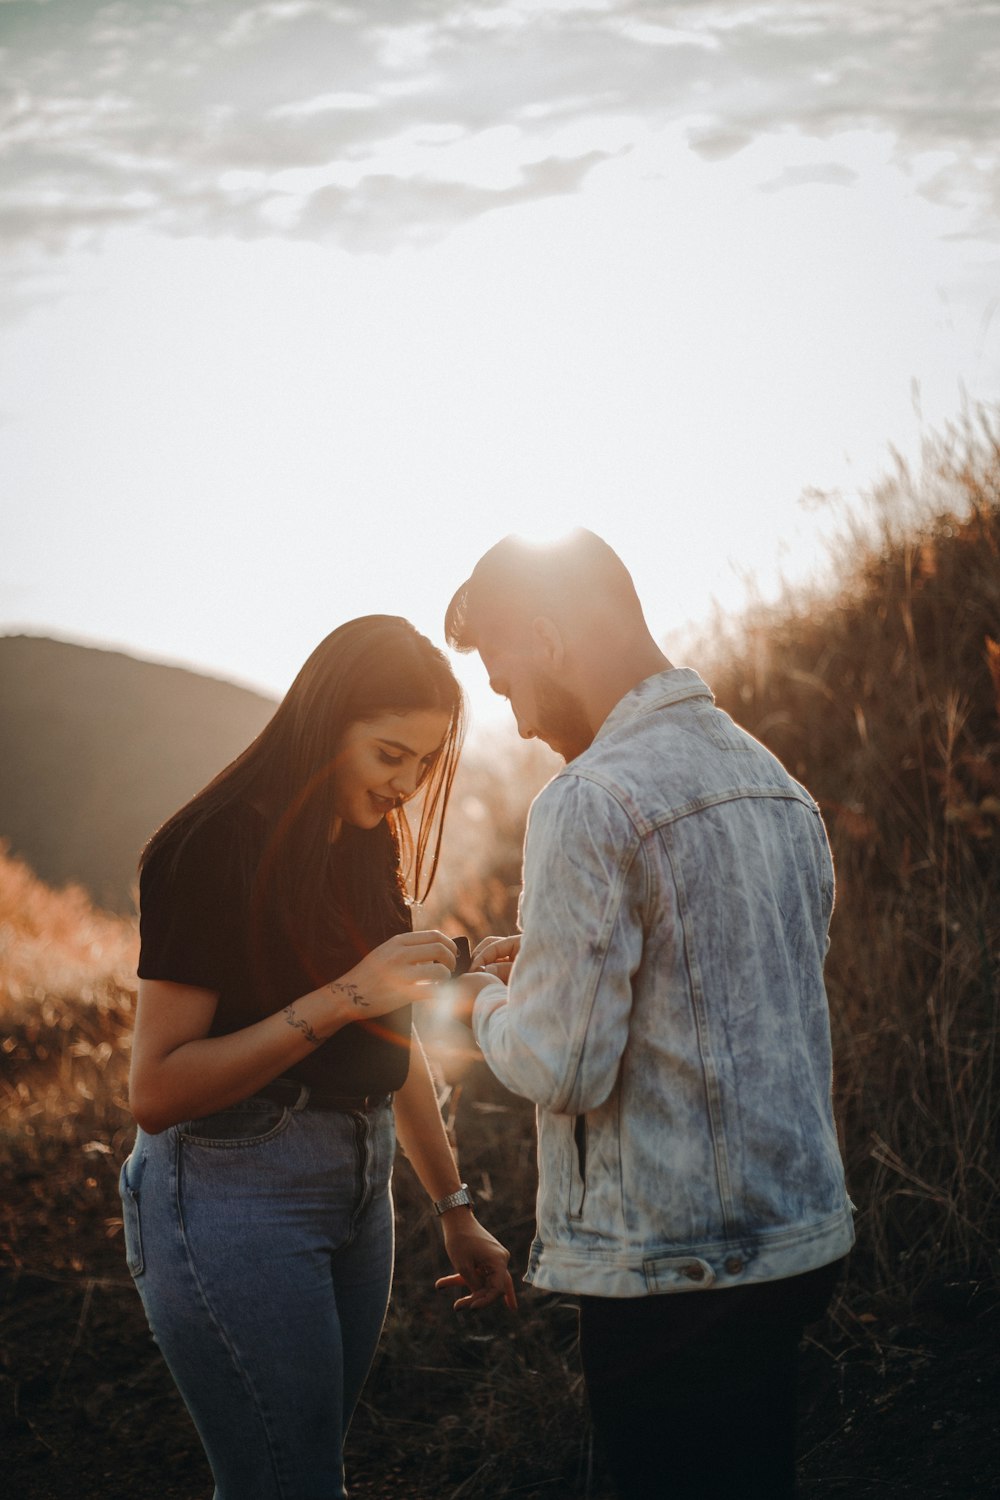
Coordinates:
665 1010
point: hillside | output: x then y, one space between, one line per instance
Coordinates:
97 748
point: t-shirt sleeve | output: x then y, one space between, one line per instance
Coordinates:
189 911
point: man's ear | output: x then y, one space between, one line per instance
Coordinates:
548 641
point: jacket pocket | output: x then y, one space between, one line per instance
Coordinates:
578 1180
132 1226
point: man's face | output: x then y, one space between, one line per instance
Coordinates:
543 707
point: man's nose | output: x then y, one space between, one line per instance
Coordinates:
524 730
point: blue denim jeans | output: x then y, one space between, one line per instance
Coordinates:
261 1243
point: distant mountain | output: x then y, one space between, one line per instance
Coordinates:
98 748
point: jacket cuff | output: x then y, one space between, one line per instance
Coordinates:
487 1003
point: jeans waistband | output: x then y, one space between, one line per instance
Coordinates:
295 1095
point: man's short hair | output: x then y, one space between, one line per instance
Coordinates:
517 580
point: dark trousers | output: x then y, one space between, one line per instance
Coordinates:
693 1394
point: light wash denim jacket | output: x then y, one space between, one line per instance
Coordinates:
667 1011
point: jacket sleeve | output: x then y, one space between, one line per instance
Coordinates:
559 1038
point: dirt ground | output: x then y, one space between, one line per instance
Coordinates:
905 1407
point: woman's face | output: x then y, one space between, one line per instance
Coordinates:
382 762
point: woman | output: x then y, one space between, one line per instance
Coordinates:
273 1048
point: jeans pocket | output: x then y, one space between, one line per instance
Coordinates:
132 1227
246 1124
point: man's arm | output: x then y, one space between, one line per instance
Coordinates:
556 1032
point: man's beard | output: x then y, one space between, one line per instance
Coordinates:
561 721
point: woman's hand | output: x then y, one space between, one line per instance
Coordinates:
396 973
180 1071
480 1262
495 956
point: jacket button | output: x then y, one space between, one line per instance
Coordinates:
694 1272
734 1265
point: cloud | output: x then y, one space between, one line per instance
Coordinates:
362 217
830 174
200 116
716 145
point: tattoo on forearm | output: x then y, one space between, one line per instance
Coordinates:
301 1025
351 991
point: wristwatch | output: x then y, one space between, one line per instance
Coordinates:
461 1199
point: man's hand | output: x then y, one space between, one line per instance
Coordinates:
480 1262
465 992
496 955
465 989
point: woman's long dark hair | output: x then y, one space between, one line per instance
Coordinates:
371 666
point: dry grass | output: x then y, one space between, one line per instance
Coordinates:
883 696
66 998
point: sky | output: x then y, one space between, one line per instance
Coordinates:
306 303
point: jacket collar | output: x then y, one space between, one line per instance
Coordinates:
662 690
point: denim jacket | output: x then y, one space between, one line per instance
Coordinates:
667 1012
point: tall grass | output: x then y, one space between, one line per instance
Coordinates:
882 694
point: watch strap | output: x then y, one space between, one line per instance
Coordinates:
460 1199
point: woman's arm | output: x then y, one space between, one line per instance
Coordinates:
480 1261
179 1072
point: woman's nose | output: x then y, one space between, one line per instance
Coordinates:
404 782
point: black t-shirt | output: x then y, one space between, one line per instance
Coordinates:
195 928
